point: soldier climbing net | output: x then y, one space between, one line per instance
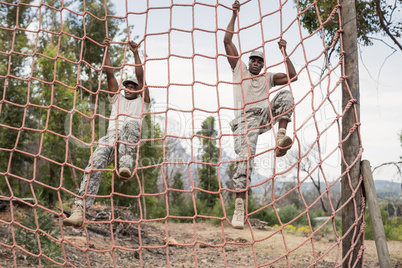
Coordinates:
53 110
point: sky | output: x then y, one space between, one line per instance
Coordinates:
189 78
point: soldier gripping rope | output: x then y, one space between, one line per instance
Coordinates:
127 134
253 116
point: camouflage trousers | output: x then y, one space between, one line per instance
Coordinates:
104 155
247 128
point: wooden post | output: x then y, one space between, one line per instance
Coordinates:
351 145
375 215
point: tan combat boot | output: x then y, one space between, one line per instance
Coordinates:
124 173
284 143
76 218
238 215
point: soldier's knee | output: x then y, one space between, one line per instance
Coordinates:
287 97
132 126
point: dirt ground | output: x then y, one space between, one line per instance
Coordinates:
189 245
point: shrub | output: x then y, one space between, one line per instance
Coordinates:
392 226
31 241
217 211
186 209
304 230
290 228
156 208
290 212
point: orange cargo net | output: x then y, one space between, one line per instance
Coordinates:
53 110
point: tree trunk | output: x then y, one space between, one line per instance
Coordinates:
353 211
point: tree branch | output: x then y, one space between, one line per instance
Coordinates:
391 163
384 26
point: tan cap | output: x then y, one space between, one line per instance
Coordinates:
134 81
258 54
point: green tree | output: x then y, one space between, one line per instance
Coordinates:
177 197
374 16
150 158
208 176
88 50
230 171
62 66
14 92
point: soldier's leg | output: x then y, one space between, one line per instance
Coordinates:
245 143
128 146
92 177
281 106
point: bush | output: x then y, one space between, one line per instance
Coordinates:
392 226
186 209
156 207
290 212
286 214
393 229
217 211
304 230
29 240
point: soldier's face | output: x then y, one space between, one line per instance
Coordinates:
255 65
129 92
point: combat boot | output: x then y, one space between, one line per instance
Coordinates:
238 215
124 172
76 218
284 142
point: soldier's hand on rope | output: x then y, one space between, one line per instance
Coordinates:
133 46
282 44
106 42
236 6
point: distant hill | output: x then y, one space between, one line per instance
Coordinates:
388 188
183 163
384 188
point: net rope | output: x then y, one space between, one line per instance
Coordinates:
315 129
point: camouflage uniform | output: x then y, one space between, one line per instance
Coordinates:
258 122
104 154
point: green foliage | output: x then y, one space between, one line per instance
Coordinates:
13 90
286 214
186 209
54 97
204 209
392 226
217 211
324 13
393 229
93 34
95 29
41 239
290 212
230 171
156 207
208 176
178 206
319 213
177 198
150 157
